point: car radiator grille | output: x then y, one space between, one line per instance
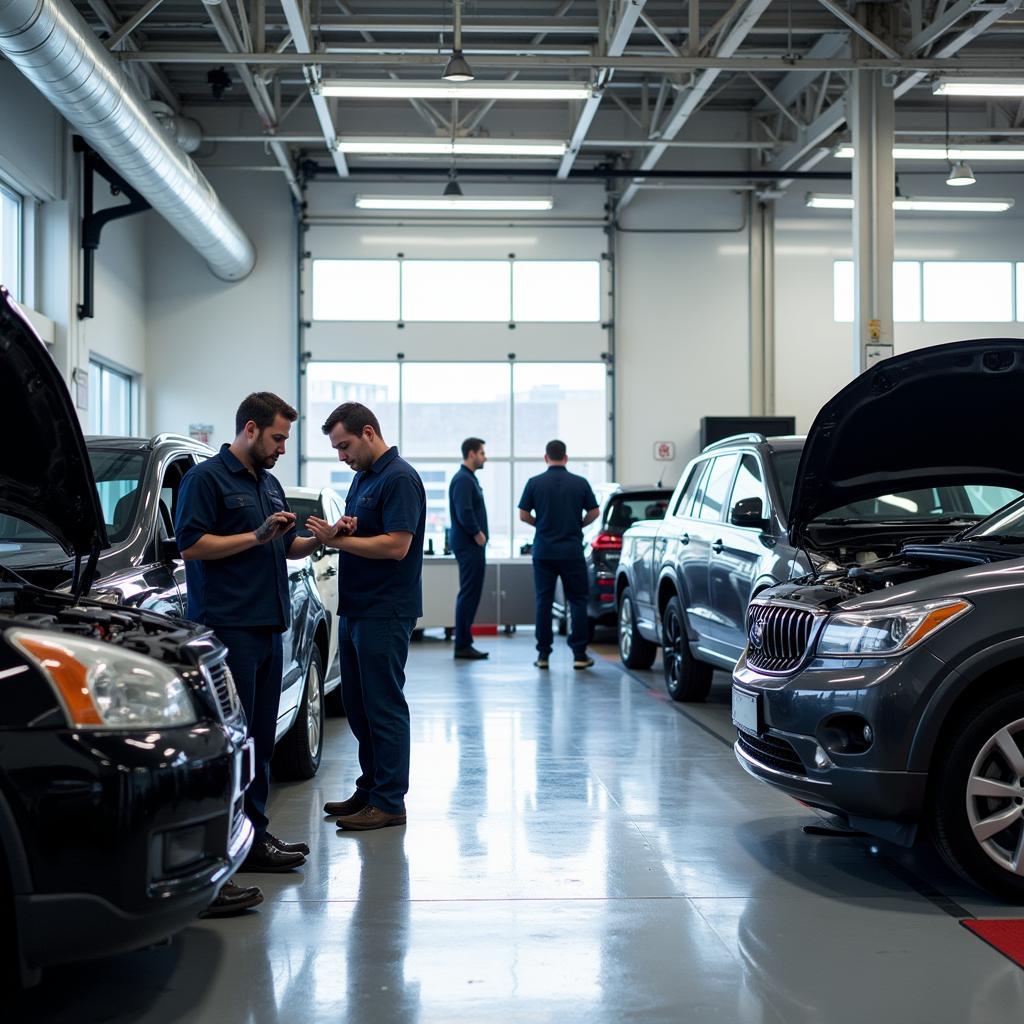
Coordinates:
772 752
778 637
218 675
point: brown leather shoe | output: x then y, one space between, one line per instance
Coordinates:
343 808
233 899
368 818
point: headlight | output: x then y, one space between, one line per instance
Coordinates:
892 631
106 687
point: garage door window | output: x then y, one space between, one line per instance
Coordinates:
427 409
10 241
111 400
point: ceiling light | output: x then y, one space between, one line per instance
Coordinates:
960 174
367 90
445 147
978 87
938 152
454 202
457 69
916 204
453 188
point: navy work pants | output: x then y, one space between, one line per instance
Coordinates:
573 573
373 653
472 566
255 660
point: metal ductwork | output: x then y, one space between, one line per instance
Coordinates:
50 43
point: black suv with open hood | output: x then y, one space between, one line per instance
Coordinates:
123 756
892 693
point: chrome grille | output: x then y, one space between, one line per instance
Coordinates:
778 637
218 675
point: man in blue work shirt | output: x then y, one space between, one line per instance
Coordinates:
234 530
380 597
559 504
468 537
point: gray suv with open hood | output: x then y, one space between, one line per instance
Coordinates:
892 692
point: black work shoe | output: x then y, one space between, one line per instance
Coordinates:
471 653
541 662
233 899
583 661
339 808
288 847
265 856
370 817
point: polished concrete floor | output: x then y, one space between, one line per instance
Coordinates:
578 849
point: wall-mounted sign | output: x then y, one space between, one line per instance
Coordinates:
664 451
200 432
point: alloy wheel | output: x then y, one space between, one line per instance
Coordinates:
314 710
626 628
995 797
671 651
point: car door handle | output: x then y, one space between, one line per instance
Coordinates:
718 547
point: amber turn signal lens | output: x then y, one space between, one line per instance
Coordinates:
934 619
68 675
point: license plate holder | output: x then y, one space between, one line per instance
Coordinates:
746 711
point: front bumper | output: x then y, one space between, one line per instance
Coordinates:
796 711
127 836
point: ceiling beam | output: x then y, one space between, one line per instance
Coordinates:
690 99
617 40
832 44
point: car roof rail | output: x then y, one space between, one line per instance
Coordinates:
170 436
733 439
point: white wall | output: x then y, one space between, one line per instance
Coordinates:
209 344
814 354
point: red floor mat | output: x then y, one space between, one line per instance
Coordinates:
1006 936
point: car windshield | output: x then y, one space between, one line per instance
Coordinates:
959 501
626 509
118 478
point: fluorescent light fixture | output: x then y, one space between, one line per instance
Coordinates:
978 87
927 151
454 202
445 147
915 204
442 90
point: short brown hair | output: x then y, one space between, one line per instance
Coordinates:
472 444
262 407
353 417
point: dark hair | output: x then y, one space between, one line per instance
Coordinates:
353 417
555 451
472 444
262 407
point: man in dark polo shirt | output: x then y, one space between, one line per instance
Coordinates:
380 598
234 530
559 504
468 539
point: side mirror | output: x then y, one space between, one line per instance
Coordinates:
749 512
167 549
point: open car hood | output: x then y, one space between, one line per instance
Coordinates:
45 476
943 415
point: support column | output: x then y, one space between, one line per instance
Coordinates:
872 123
761 279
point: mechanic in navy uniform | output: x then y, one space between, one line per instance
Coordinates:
468 540
559 504
380 597
234 530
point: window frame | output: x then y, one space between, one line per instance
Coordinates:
97 364
8 191
766 510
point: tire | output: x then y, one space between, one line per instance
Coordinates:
297 756
987 743
634 650
686 678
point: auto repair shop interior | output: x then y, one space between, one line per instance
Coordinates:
759 264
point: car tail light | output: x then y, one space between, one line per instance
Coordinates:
607 542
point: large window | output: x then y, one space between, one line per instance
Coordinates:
10 241
470 291
942 291
111 400
427 409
